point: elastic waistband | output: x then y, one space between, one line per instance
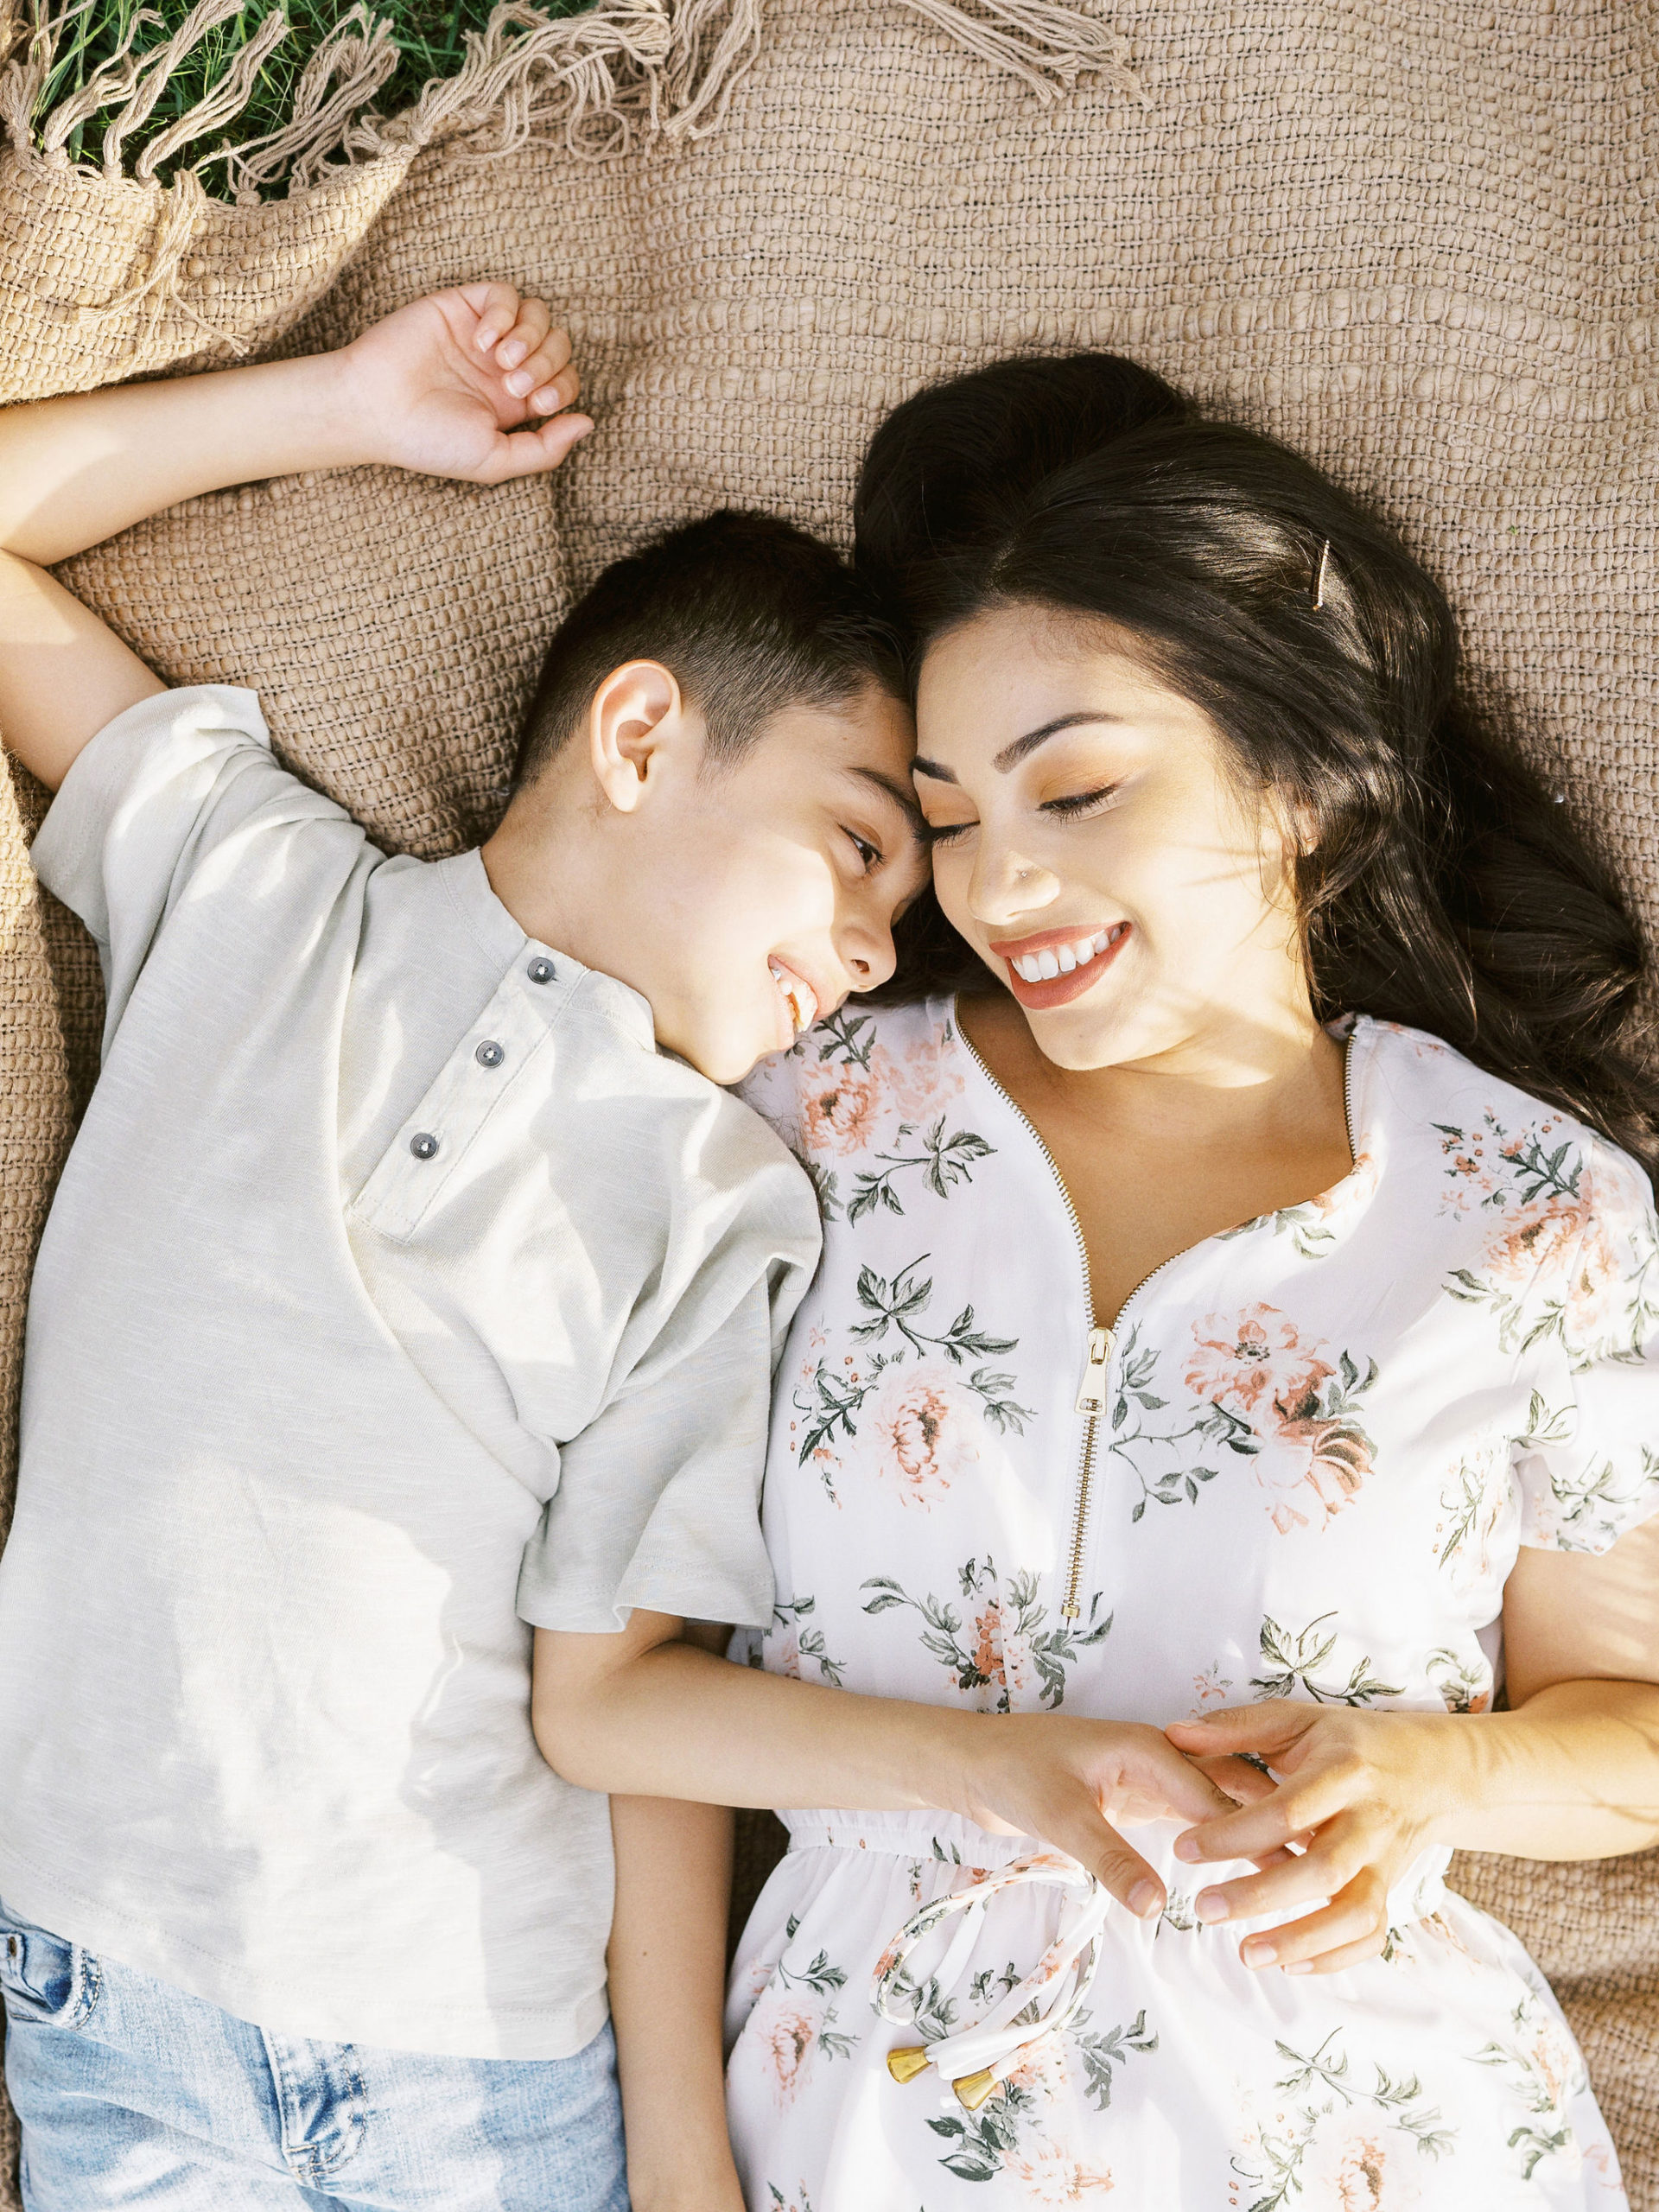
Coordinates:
951 1841
944 1837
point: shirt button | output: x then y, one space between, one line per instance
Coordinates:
490 1054
423 1145
540 969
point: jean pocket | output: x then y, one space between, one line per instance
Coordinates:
43 1977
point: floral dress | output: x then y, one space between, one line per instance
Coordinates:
1299 1464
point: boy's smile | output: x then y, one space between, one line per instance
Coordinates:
743 899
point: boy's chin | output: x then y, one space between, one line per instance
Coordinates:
723 1056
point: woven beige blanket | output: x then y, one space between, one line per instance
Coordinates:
1417 237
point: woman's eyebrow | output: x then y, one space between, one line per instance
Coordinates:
1011 755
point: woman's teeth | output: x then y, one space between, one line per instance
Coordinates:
1061 959
799 997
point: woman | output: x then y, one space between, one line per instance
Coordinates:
1239 1312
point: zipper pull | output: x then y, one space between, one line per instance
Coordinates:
1092 1391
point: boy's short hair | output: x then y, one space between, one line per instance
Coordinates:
749 614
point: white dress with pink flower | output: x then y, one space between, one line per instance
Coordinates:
1321 1439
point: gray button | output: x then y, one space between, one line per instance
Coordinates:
540 969
490 1054
423 1145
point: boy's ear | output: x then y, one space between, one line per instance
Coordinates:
635 712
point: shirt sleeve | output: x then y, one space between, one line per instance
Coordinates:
659 1498
1589 1470
145 806
659 1502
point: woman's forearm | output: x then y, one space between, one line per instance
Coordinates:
73 470
1573 1773
667 1968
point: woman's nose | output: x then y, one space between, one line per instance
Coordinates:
1007 885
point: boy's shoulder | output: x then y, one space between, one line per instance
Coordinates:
662 1136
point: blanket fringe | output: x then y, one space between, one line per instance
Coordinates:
595 80
1046 43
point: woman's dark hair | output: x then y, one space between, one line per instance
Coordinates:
1443 886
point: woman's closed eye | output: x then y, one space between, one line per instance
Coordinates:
1075 807
942 833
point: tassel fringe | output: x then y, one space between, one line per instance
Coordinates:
594 82
1044 44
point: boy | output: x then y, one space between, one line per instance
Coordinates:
408 1252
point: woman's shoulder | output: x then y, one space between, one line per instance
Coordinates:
845 1084
1498 1153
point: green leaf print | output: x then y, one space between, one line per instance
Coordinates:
1100 2053
944 1161
983 2142
844 1037
1008 1644
1325 2076
819 1976
1464 1684
899 1303
1298 1659
809 1641
1504 1167
1595 1505
834 1398
1541 2070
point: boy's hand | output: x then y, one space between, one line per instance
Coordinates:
439 386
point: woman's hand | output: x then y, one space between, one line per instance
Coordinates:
1359 1796
1073 1783
439 387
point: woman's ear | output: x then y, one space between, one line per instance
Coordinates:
636 713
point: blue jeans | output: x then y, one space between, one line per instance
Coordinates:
131 2093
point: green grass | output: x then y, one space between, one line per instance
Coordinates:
427 33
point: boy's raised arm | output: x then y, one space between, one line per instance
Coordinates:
437 388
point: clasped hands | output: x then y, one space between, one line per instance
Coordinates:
1353 1798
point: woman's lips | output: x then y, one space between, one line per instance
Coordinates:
1059 990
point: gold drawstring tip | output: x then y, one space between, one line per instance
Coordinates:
906 2065
973 2088
1071 1612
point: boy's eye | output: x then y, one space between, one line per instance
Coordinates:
866 852
1082 803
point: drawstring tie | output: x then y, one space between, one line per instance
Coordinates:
975 2059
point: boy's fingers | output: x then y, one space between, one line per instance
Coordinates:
564 391
496 307
1187 1788
1244 1784
1264 1728
525 336
540 373
1094 1843
528 452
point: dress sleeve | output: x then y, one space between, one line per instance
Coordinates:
1589 1468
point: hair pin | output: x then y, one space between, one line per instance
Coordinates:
1322 572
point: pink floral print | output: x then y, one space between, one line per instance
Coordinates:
924 1430
1302 1469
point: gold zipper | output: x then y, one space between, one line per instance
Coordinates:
1091 1403
1092 1389
1102 1343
